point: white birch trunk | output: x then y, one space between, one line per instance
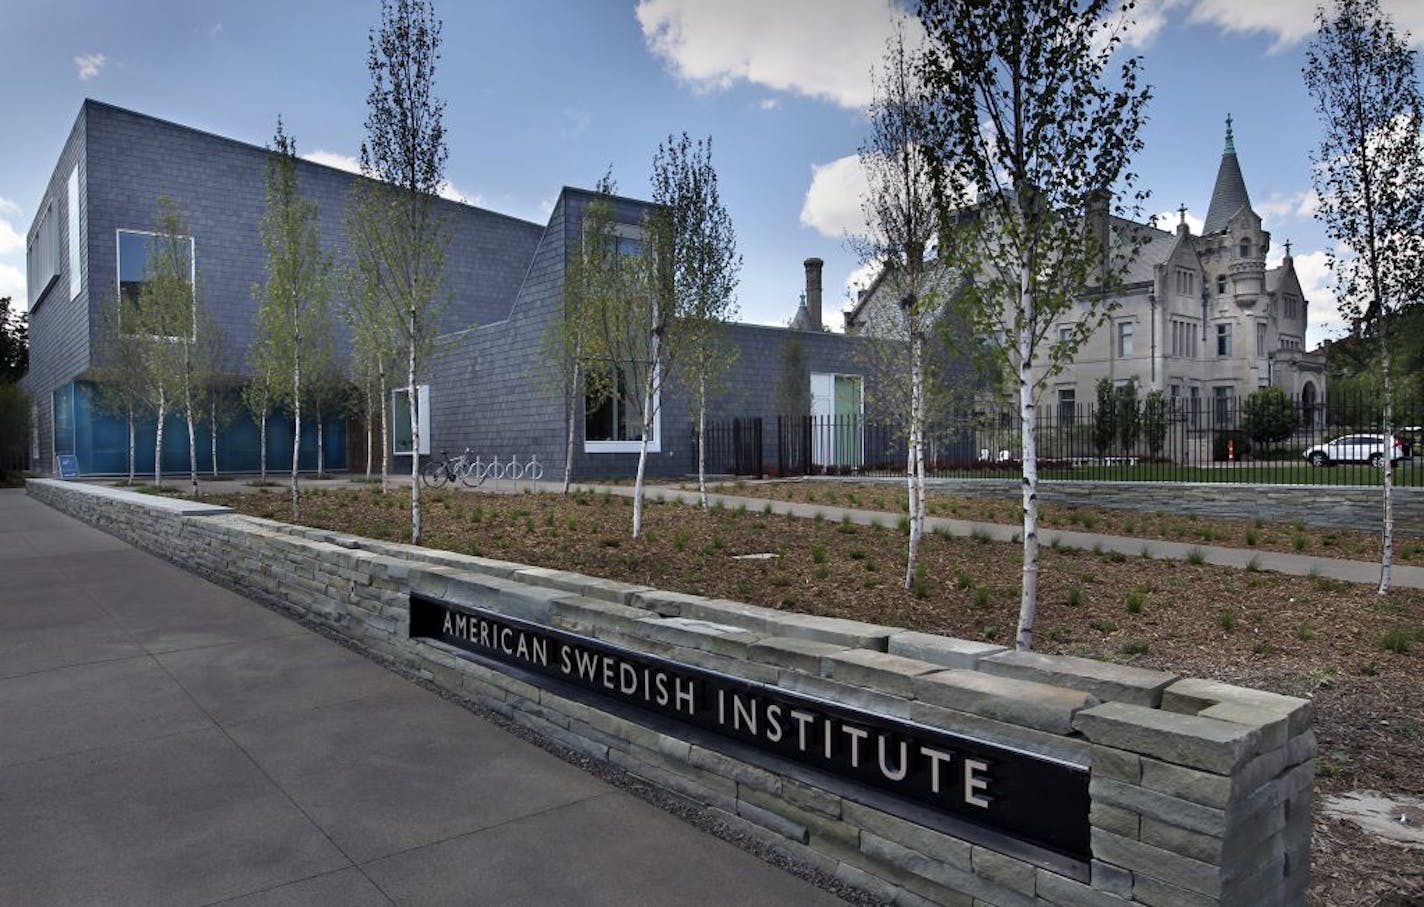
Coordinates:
320 447
192 449
573 425
296 424
1028 603
132 444
158 441
702 440
262 444
370 422
915 462
1387 529
414 434
648 416
385 434
213 437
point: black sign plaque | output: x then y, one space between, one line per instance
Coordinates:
1033 798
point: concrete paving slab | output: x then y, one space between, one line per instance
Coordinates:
168 619
29 628
184 819
649 864
86 707
242 681
343 888
389 773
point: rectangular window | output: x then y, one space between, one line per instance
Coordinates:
1260 338
141 257
75 275
1186 282
1223 340
1224 398
613 423
1067 405
1194 406
1065 335
400 420
42 255
1124 339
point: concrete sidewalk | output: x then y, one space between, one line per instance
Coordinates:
165 741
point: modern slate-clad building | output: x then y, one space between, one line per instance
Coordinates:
488 386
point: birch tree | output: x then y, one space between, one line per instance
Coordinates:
573 340
398 237
293 303
1026 136
122 378
900 230
257 395
1368 171
705 270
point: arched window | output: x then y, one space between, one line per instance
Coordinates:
1245 249
1307 405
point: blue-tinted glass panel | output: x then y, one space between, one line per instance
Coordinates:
135 250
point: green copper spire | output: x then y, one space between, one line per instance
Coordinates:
1229 194
1230 142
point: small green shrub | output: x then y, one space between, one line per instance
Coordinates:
990 634
1251 538
904 525
1135 602
823 572
1102 625
1075 596
1058 634
1253 565
963 581
1227 619
818 554
679 541
1298 542
1398 640
1134 646
1305 632
856 553
1196 556
981 598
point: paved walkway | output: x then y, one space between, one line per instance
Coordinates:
1354 571
165 741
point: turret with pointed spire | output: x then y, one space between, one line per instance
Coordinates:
1229 195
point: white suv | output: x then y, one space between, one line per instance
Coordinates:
1355 449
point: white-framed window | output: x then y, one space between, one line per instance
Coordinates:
400 420
42 254
1225 398
75 274
1065 334
1124 339
134 253
1067 405
614 422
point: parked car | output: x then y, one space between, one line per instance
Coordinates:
1356 449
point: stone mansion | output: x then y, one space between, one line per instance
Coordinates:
1200 318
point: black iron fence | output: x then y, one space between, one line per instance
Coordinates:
734 447
1217 439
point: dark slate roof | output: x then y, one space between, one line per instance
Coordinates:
1229 194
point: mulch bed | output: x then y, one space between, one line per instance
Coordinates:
1356 654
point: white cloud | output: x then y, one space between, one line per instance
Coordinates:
11 240
833 201
334 159
1168 220
88 65
817 48
12 284
1300 205
353 165
1317 283
860 279
769 104
8 207
1293 21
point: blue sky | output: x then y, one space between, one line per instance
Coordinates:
541 94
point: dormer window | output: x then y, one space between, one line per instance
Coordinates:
1245 249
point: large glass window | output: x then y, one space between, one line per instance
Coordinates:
73 230
400 420
613 422
42 254
1225 397
1124 339
139 257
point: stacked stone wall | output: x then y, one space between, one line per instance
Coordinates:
1200 791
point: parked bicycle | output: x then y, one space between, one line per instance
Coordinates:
437 473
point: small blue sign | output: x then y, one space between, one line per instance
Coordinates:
68 466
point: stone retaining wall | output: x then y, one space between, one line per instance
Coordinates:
1322 506
1200 792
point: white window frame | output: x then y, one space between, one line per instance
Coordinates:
1125 332
655 443
422 396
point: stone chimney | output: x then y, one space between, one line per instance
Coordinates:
813 292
